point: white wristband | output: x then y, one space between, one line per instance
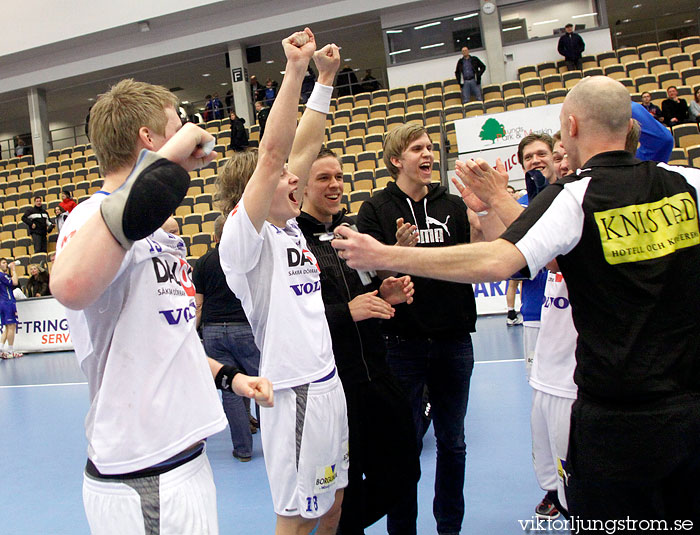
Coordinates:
320 99
482 213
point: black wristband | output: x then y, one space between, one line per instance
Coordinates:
224 377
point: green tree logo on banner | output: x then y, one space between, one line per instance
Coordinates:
492 130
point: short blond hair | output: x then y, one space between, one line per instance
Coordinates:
234 177
117 116
397 141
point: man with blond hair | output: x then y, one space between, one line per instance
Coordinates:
429 342
627 239
153 401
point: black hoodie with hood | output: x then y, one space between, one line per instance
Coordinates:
439 309
358 348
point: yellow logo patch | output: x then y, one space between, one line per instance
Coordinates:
645 231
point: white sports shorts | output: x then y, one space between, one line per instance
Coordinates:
182 500
305 442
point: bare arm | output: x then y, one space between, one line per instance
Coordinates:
198 301
276 144
311 129
478 262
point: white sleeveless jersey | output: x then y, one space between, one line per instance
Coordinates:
276 278
151 389
555 360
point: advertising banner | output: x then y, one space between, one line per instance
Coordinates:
41 326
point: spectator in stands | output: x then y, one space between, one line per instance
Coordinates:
369 82
270 92
38 282
239 136
39 223
307 86
674 108
468 73
262 112
257 91
20 147
67 201
226 333
60 216
216 107
651 107
695 106
571 46
8 309
346 81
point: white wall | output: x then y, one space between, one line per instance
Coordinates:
539 12
53 21
430 71
533 52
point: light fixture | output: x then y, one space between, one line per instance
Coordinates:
282 72
91 99
618 33
270 61
394 31
185 102
511 29
427 25
400 51
625 21
144 26
224 83
545 22
636 6
432 46
585 15
687 21
347 59
206 74
466 16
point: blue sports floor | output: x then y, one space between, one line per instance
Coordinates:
44 399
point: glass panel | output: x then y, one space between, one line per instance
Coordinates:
538 19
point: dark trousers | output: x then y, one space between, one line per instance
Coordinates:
39 241
383 455
638 464
574 64
445 367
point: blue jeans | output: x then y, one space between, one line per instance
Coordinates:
445 367
470 87
233 344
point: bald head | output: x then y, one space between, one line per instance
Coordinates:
595 118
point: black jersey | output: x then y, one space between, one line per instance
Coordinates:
628 235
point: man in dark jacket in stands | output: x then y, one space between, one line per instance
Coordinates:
468 74
354 305
674 109
39 223
239 136
571 46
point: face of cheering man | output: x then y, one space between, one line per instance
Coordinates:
416 162
561 163
537 155
324 191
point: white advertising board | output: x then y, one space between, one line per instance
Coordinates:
41 326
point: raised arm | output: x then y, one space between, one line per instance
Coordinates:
311 129
280 127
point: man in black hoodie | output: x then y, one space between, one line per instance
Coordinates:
239 136
39 223
429 342
354 306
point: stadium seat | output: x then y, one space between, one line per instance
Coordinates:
658 65
679 62
515 103
649 50
491 92
546 68
531 85
678 157
454 113
571 78
415 91
552 81
494 106
433 88
472 109
539 99
636 68
511 89
615 71
693 155
690 44
380 96
606 59
588 62
627 54
646 82
686 135
669 48
669 78
691 77
556 96
528 71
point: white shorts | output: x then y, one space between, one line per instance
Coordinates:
530 333
550 419
182 500
305 442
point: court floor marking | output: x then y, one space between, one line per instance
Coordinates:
48 384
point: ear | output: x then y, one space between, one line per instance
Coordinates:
573 126
146 138
397 162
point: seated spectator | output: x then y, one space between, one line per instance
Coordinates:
239 136
67 201
60 216
20 147
695 106
650 107
675 109
38 283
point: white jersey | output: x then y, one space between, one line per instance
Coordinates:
277 279
151 389
555 360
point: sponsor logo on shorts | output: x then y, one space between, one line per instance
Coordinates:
645 231
326 477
